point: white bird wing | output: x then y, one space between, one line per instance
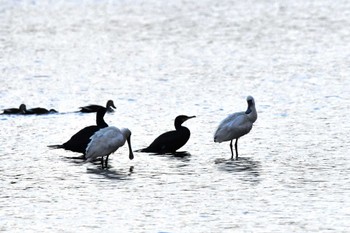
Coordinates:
104 142
241 125
233 126
230 118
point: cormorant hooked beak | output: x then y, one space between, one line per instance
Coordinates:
187 118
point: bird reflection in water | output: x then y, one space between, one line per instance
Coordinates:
111 174
243 165
179 155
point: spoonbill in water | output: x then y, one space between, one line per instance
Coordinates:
170 141
94 107
105 142
236 125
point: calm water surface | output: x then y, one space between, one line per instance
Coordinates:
160 59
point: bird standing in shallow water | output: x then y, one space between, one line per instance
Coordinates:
94 107
170 141
79 141
105 142
236 125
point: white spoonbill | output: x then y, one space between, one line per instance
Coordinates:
236 125
106 141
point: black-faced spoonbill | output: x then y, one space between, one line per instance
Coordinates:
21 110
170 141
94 107
236 125
79 141
105 142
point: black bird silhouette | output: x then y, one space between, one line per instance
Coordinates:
170 141
94 107
79 141
21 110
40 111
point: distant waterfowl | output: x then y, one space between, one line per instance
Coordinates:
94 107
236 125
39 111
79 141
21 110
105 142
171 141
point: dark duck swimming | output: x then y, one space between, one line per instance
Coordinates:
94 107
79 141
171 141
21 110
39 111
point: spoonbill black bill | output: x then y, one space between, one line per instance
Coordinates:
105 142
79 141
94 107
171 141
236 125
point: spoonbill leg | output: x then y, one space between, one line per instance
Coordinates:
106 161
231 149
236 149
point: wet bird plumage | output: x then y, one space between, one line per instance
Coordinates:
171 141
236 125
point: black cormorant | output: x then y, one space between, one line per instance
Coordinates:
170 141
79 141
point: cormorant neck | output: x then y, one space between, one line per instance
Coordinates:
99 117
178 124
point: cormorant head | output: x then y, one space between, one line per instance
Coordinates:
181 119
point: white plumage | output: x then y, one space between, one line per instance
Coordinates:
236 125
106 141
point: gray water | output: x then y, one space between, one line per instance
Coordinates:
160 59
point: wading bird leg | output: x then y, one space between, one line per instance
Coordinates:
106 161
231 149
236 149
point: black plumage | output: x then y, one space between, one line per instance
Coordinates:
171 141
39 111
79 141
94 108
21 110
